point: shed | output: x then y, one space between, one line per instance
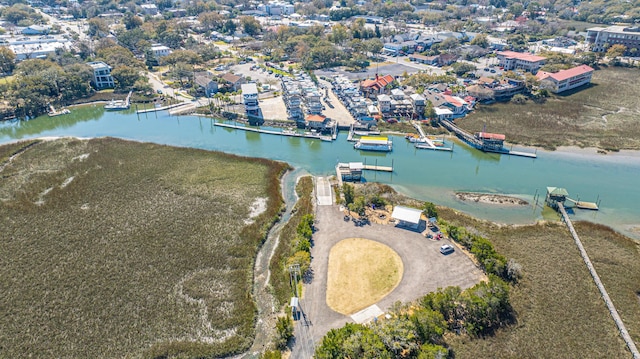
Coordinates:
406 217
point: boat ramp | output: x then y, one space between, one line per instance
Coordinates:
485 142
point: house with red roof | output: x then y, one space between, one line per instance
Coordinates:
511 60
566 79
374 87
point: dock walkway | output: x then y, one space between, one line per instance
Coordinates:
474 142
169 107
603 292
271 132
426 143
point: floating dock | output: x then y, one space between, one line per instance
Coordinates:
485 142
352 171
425 142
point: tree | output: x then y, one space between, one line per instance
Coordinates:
125 76
348 192
449 43
461 68
284 327
7 60
429 209
97 27
132 21
229 27
339 34
250 25
480 40
615 51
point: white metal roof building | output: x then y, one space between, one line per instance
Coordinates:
406 217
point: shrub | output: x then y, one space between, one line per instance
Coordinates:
284 328
519 99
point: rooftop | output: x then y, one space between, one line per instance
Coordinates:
521 56
565 74
249 89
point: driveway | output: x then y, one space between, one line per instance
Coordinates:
425 270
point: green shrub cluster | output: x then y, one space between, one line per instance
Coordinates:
491 261
295 242
417 330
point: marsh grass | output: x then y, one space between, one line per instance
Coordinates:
144 253
559 311
603 115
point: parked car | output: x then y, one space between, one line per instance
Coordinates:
219 68
446 249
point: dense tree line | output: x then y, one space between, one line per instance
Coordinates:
38 83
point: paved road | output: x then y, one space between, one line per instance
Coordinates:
425 270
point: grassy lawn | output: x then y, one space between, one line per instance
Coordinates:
360 273
604 115
560 313
123 249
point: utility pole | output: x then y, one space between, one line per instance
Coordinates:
294 273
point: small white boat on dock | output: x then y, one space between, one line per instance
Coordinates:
117 105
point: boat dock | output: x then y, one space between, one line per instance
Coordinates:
185 107
425 142
154 109
352 171
271 132
492 143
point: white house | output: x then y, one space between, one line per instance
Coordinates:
407 217
102 75
149 9
160 51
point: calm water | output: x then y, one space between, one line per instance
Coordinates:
422 174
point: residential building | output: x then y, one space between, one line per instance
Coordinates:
419 103
400 104
566 79
601 38
292 97
373 87
422 59
205 83
101 75
384 104
511 60
316 122
149 9
274 8
232 82
250 99
160 51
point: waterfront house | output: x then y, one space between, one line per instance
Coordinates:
101 75
566 79
316 122
419 102
384 103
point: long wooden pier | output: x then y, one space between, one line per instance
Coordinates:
603 292
271 132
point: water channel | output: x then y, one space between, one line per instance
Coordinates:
422 174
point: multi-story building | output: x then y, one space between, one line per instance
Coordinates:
292 97
419 104
511 60
101 75
250 99
603 37
566 79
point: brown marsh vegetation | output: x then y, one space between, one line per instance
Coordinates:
120 249
603 115
560 313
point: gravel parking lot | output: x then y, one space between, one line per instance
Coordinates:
425 270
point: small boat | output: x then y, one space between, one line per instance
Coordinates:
58 113
289 131
326 138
